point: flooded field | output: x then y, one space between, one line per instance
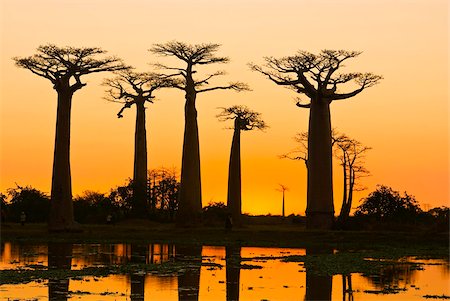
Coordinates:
61 271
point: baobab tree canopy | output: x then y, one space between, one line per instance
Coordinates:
64 66
130 87
61 64
315 75
248 119
197 54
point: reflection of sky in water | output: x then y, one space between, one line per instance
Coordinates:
276 280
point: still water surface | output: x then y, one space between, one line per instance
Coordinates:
225 273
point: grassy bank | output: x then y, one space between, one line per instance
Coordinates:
252 235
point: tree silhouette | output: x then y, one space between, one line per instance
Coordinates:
315 76
190 198
64 67
283 189
244 120
351 155
133 88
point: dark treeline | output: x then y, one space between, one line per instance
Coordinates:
382 209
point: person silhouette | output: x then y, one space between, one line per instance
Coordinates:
23 218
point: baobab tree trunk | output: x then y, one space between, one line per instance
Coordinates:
348 205
234 176
139 206
61 207
344 197
190 197
319 210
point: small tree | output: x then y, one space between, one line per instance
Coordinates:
283 189
192 56
163 189
133 88
315 76
244 120
350 153
64 67
386 204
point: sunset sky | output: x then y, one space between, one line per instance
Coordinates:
404 118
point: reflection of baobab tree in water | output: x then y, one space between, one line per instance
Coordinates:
318 287
59 258
189 280
233 270
139 255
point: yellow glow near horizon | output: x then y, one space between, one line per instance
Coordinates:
404 119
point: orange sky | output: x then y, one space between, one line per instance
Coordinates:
404 119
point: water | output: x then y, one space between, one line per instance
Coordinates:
204 273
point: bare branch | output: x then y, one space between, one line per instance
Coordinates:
236 86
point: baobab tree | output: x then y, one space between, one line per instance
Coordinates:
136 88
192 56
64 67
350 153
244 120
314 75
282 189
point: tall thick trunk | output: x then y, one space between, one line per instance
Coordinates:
139 206
190 196
234 177
61 207
320 210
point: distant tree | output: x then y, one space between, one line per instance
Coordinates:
244 120
315 76
133 88
282 188
386 204
64 67
33 202
123 196
350 153
163 188
190 197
